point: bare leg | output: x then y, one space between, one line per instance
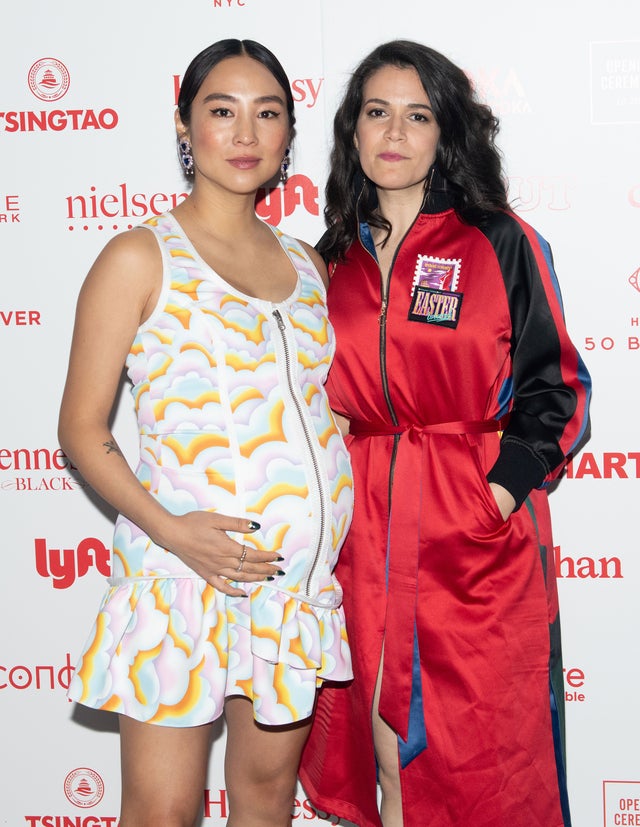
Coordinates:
261 767
164 773
385 742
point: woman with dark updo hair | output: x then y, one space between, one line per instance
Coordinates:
462 396
221 321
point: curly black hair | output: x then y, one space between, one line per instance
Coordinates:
466 156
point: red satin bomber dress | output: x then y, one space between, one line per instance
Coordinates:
465 602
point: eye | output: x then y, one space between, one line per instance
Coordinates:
269 113
375 112
221 112
421 117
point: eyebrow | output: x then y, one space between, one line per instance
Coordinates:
222 96
386 103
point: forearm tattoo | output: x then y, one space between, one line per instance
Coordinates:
112 447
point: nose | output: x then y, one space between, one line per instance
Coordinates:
245 130
395 128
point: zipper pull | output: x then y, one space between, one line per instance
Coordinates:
279 319
383 311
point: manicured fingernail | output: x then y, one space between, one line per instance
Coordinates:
280 572
269 578
279 559
253 525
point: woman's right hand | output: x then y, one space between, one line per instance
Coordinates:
201 540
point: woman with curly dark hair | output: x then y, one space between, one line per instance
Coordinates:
463 396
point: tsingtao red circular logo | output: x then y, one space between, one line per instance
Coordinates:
84 787
49 79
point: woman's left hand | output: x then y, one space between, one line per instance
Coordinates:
503 498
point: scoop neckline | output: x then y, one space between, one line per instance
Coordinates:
230 287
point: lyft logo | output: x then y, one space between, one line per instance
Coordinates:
65 565
272 204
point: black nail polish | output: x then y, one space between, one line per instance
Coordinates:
280 572
253 526
270 578
279 559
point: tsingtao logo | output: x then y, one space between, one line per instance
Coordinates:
49 79
84 787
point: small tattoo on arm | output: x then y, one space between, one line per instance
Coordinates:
112 448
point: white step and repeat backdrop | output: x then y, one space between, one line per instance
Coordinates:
87 93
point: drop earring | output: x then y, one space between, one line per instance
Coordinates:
186 158
284 167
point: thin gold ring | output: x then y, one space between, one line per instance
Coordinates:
242 558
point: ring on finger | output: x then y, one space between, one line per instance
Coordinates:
242 558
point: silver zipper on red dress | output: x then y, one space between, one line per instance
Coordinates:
382 350
383 372
382 320
301 409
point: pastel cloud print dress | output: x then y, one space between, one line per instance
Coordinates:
233 418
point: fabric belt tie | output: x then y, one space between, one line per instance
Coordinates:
470 426
401 692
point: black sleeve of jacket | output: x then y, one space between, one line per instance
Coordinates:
543 402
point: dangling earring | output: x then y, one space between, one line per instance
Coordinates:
427 186
284 166
186 158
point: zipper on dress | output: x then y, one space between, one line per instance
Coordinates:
382 321
385 385
382 348
303 418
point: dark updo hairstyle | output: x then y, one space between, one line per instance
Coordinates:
466 155
208 58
